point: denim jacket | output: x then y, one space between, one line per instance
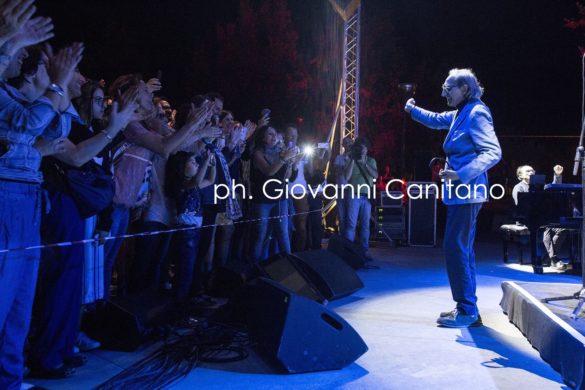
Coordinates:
471 147
21 122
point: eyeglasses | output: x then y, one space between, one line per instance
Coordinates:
448 88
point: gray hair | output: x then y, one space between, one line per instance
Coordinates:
520 169
467 77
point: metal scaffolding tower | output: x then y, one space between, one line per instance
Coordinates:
348 105
347 109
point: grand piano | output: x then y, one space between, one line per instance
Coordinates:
554 205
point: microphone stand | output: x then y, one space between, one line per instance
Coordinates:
579 159
579 295
580 153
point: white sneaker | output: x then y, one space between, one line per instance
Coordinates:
85 343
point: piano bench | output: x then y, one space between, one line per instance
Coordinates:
516 234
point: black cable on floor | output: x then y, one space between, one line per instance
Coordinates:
175 359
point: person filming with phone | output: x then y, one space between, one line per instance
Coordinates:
360 172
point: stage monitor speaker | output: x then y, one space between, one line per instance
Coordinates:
123 324
332 276
227 280
297 333
422 214
352 253
286 271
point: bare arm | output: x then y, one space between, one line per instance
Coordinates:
267 169
164 146
206 177
79 154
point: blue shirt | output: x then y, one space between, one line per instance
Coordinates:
21 122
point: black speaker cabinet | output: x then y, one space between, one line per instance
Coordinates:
123 324
422 214
332 276
297 333
352 253
286 271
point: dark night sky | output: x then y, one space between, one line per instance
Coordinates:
526 59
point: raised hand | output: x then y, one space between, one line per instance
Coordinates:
153 85
123 109
410 104
558 169
62 66
199 116
251 126
14 14
265 118
34 31
210 132
288 154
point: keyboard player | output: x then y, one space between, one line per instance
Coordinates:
553 237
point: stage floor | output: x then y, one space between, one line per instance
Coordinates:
395 315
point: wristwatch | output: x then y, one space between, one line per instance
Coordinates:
56 88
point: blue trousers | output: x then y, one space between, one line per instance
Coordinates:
460 256
20 226
188 269
263 211
342 214
120 218
358 211
58 298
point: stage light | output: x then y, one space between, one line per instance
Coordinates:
308 150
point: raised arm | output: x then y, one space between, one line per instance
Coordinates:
433 120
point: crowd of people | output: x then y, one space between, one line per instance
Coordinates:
81 159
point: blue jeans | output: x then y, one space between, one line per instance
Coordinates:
20 226
263 211
315 224
460 256
359 210
58 298
342 214
120 217
188 271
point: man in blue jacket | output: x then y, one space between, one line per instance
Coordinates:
471 147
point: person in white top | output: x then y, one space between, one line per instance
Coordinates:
298 187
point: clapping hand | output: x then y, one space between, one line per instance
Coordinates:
34 31
210 132
62 65
14 15
124 109
251 126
